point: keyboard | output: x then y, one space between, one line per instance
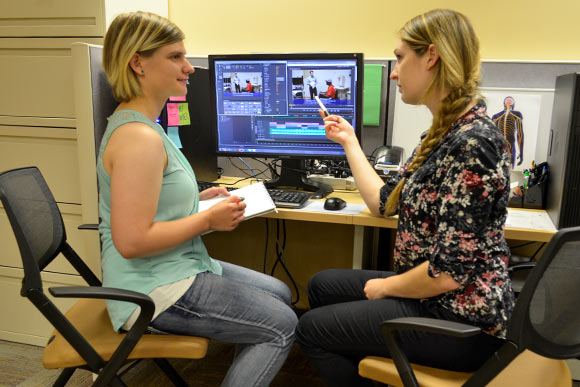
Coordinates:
282 198
203 185
288 199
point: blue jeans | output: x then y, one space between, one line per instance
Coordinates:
241 306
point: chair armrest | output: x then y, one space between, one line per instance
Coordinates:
142 300
431 325
521 266
88 226
134 334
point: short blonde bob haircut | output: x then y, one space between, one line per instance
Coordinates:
130 33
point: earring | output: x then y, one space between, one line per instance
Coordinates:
142 72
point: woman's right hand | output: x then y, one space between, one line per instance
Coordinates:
338 129
227 214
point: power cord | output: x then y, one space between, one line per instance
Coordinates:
245 171
274 165
250 168
280 247
533 257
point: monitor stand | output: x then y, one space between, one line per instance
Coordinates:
293 175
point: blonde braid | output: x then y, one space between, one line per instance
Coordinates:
457 73
450 109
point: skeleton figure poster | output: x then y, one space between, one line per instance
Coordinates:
517 116
529 111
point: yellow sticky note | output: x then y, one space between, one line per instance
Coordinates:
184 114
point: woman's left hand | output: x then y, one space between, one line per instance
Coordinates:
213 192
376 288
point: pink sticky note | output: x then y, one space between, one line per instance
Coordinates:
172 114
181 98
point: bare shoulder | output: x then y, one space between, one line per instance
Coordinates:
136 133
134 143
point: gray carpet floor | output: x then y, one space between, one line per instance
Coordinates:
21 365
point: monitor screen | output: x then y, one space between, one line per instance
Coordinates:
263 105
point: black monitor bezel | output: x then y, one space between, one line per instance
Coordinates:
359 57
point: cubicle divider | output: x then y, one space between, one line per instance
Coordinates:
531 86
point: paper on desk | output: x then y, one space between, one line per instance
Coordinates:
529 219
318 206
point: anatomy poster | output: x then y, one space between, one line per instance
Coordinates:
517 115
531 107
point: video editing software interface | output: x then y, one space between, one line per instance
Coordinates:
267 107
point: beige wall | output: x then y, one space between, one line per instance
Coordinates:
508 29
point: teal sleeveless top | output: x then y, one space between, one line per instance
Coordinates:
179 198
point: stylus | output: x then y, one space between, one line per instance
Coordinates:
322 107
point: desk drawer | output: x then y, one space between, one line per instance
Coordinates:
36 77
84 242
22 322
52 18
52 150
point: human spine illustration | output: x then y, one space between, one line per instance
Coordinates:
509 122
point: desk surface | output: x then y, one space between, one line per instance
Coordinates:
365 218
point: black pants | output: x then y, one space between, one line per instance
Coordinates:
343 326
313 92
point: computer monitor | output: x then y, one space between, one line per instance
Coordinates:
262 105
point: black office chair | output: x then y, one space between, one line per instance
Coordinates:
520 267
519 274
544 328
84 337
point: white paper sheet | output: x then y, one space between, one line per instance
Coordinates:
529 219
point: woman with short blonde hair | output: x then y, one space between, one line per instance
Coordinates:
140 32
151 225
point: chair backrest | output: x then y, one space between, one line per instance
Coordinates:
38 227
35 220
103 101
546 319
94 102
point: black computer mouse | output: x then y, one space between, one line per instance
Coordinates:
334 204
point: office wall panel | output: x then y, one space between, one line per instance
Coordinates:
517 29
52 18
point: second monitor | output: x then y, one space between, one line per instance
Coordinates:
263 105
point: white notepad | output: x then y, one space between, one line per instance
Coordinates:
256 197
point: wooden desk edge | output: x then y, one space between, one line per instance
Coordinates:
528 234
366 219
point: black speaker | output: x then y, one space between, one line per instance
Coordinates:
197 138
563 198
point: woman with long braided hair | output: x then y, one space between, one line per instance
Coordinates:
450 255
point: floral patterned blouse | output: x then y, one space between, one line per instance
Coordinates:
452 212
